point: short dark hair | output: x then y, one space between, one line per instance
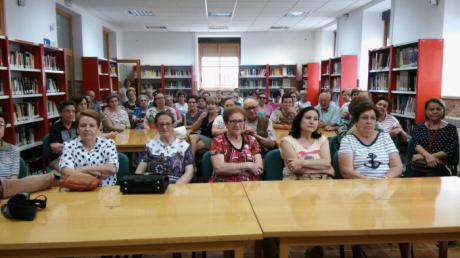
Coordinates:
64 104
79 99
276 93
195 97
90 113
129 90
230 111
296 130
111 96
2 115
384 98
222 103
437 101
363 107
164 113
180 93
286 96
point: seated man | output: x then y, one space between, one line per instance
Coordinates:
282 118
93 104
329 112
63 131
259 127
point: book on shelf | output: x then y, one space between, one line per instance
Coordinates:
113 70
253 83
22 60
25 136
99 68
177 84
51 86
52 108
305 71
1 57
185 72
150 73
407 57
379 81
380 60
405 105
50 63
282 71
24 86
336 67
406 81
287 83
25 111
336 84
2 92
305 84
252 72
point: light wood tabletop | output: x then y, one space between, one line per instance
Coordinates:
356 211
134 140
191 217
281 133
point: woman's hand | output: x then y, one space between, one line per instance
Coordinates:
431 161
417 157
295 166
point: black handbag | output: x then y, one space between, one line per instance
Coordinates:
21 207
133 184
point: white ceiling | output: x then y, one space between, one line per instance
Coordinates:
248 15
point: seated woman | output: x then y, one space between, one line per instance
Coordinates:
235 156
138 118
9 154
193 113
167 154
160 105
90 154
388 122
368 153
81 103
435 142
305 151
115 118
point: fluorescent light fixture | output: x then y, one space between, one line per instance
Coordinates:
155 27
294 14
218 27
220 14
279 27
140 13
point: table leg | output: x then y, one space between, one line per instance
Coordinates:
443 249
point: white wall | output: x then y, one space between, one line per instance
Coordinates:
31 22
415 19
323 44
349 28
451 34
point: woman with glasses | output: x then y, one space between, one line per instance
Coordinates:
263 110
235 156
166 154
138 119
160 105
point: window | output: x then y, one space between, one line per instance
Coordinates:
219 64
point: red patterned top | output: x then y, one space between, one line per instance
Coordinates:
221 145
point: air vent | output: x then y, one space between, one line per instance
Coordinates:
155 27
140 13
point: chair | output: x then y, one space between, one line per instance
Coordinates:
335 165
334 145
206 167
22 168
46 147
123 166
273 166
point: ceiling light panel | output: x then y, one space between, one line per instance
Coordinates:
295 14
220 14
141 13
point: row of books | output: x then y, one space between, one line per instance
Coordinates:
305 84
406 80
252 83
25 136
252 72
51 63
113 70
150 73
305 71
52 108
325 83
22 59
282 71
325 68
2 92
177 72
24 86
1 57
380 60
178 84
379 81
406 57
336 67
404 104
25 111
336 83
281 83
51 86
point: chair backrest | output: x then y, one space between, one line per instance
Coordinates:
334 145
123 166
22 168
206 167
273 166
46 147
410 149
335 165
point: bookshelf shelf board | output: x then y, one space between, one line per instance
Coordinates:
282 76
4 97
383 70
28 121
30 145
403 92
151 78
409 68
3 68
177 88
177 77
103 74
55 94
20 69
403 115
53 116
54 71
325 74
246 88
378 91
335 74
104 89
252 77
27 96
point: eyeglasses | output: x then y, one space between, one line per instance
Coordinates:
234 122
165 125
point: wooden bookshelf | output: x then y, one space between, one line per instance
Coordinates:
253 77
415 77
325 83
97 76
310 81
379 72
55 81
338 74
152 76
6 103
282 77
177 78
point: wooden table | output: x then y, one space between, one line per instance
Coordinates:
134 140
193 217
357 211
280 133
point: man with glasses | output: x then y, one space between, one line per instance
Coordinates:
259 127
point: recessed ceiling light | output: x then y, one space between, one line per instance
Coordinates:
155 27
218 27
294 14
220 14
140 13
279 27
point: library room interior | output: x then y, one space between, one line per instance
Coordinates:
229 128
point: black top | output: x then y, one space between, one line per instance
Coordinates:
206 127
60 134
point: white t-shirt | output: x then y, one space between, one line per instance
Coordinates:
371 160
389 123
219 122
